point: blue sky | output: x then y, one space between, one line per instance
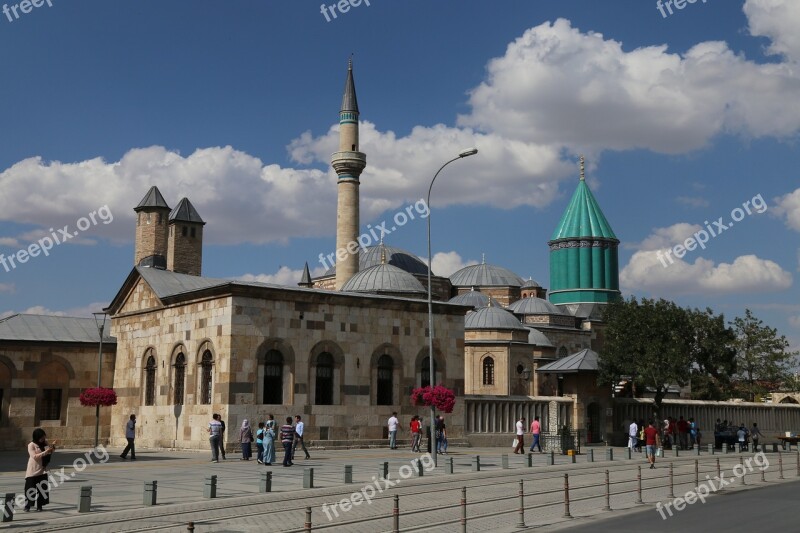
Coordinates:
234 104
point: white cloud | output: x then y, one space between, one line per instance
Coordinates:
446 263
788 208
80 312
558 85
7 287
777 20
663 238
692 201
285 276
9 241
747 273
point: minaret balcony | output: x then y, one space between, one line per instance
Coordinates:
348 162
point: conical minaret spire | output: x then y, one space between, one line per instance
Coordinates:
348 163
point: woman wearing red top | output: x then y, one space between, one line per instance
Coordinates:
415 433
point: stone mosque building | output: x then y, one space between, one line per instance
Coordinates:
343 350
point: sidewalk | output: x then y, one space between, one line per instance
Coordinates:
491 494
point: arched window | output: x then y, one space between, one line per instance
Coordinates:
488 371
150 381
206 374
180 378
324 388
273 378
562 352
425 371
385 394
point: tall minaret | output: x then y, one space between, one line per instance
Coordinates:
348 163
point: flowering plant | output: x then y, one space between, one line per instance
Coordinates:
98 396
439 397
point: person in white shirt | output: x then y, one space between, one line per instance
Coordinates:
520 436
633 434
299 429
393 424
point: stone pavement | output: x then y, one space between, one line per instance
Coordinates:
428 503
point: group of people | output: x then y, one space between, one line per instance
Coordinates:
290 435
536 431
743 435
683 434
415 428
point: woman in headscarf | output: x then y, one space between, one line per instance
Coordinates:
36 486
246 438
269 441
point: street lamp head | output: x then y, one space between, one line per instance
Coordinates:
100 320
468 152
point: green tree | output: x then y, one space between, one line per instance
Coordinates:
762 358
648 342
713 352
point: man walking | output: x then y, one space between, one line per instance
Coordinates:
416 436
633 435
520 448
683 433
440 435
755 434
536 431
651 443
130 434
222 437
299 428
287 439
215 433
393 423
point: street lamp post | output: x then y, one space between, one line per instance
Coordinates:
100 320
432 376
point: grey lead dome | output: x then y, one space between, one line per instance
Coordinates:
382 279
484 275
492 318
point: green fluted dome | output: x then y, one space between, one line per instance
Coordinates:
583 217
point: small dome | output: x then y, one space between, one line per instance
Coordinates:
394 256
492 318
474 298
534 306
484 275
531 284
538 338
384 279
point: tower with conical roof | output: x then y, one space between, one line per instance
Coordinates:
348 163
151 230
584 266
185 243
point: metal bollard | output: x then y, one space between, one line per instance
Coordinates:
85 499
697 450
780 465
150 493
210 487
719 472
190 527
449 466
307 525
628 453
566 497
348 474
696 473
590 456
774 448
521 522
639 485
463 509
763 476
608 492
476 463
711 449
573 457
677 451
308 478
529 460
396 515
798 461
8 506
504 461
741 462
383 469
671 482
724 448
609 454
265 485
738 447
551 458
418 467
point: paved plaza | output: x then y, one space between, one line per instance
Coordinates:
431 502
